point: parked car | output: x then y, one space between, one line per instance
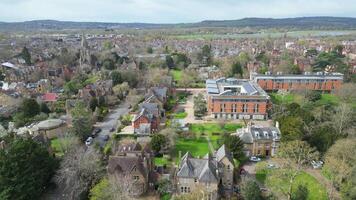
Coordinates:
106 137
255 159
96 131
89 141
317 164
112 129
272 166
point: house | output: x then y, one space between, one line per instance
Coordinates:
236 99
146 122
213 173
49 97
260 141
308 81
132 166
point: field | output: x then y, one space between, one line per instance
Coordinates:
177 74
315 189
326 99
197 147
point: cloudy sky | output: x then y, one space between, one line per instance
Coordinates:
169 11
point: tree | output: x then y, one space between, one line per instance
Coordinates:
93 103
340 165
79 170
30 108
25 54
186 80
26 168
205 56
149 50
158 142
251 190
313 96
294 157
81 120
236 68
301 193
169 62
291 128
199 105
109 64
164 187
116 77
44 108
234 145
343 119
121 90
243 59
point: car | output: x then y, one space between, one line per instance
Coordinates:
112 129
317 164
272 166
255 159
106 137
89 141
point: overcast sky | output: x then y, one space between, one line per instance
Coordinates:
169 11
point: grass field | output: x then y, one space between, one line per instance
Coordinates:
326 99
180 115
177 74
160 161
56 147
315 189
197 147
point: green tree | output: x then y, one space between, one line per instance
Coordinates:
158 142
81 120
93 103
169 62
25 54
26 168
251 191
313 96
291 128
205 56
44 108
234 145
116 77
30 108
109 64
149 50
236 68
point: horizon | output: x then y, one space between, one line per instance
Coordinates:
163 12
136 22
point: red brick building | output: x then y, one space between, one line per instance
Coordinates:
308 81
236 99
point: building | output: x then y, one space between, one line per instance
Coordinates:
213 174
307 81
260 141
236 99
133 167
147 120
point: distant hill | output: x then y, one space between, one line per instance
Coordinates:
300 22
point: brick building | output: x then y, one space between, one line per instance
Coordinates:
236 99
308 81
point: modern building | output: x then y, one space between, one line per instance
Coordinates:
236 99
212 174
308 81
260 141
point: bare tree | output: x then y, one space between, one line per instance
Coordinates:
78 170
294 157
343 120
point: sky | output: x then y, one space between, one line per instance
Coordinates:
169 11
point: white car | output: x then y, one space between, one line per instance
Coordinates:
255 159
89 141
317 164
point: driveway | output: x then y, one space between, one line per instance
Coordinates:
111 121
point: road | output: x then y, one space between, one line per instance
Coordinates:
111 121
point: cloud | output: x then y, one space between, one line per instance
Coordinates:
168 11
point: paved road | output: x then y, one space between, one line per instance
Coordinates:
111 121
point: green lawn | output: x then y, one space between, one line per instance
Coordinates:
213 130
316 190
56 147
177 74
197 147
180 115
160 161
286 99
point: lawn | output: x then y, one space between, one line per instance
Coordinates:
177 74
316 190
287 98
180 115
197 147
56 147
160 161
213 130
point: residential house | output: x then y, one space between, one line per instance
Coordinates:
213 173
146 121
260 141
132 166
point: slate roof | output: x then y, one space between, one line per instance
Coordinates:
123 164
223 152
254 133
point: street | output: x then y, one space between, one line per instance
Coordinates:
110 121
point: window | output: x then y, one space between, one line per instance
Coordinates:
195 180
256 108
244 108
181 189
185 189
